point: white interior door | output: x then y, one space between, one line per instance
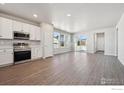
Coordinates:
100 41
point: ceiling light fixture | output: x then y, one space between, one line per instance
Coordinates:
68 14
35 15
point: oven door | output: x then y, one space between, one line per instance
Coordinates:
22 55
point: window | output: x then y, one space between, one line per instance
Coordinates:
82 40
62 41
81 43
56 37
59 40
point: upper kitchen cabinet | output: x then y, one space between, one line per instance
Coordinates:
17 26
6 28
20 27
37 33
25 27
34 32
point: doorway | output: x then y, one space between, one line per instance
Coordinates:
100 42
81 43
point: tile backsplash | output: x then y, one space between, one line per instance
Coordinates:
9 43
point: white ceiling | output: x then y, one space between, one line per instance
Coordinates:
84 16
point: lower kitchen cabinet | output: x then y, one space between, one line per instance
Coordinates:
33 53
39 52
6 56
36 52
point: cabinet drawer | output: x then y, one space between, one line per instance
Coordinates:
6 50
9 50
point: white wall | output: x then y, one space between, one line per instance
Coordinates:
120 27
100 41
90 42
110 40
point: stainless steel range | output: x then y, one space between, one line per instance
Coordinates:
22 51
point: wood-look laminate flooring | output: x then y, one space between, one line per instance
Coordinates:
74 68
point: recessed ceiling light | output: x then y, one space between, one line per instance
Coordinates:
35 15
68 14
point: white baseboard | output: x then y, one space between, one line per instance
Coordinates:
90 51
121 60
110 53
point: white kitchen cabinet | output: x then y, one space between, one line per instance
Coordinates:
6 28
21 27
6 56
39 52
25 27
36 52
32 32
17 26
33 53
37 33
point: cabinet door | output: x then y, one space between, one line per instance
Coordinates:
25 27
39 51
32 32
17 26
33 53
6 57
36 52
37 33
6 28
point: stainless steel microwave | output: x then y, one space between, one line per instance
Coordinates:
21 35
